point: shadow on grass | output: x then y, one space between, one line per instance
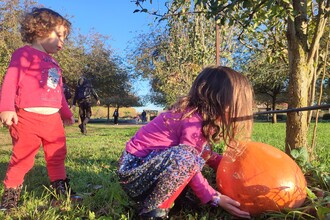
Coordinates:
3 168
100 190
95 179
34 180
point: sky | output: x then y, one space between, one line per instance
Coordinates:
114 18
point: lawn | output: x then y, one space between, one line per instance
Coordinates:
91 166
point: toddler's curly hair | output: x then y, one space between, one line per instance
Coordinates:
40 22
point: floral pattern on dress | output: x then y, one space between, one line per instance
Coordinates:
153 179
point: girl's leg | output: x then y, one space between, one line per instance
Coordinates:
170 201
54 145
88 113
157 179
182 165
82 112
26 144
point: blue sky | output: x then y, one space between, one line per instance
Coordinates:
114 18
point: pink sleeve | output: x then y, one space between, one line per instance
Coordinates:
19 64
202 188
65 111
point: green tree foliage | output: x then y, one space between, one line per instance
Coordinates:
10 38
72 59
82 55
326 96
171 56
109 76
304 25
269 80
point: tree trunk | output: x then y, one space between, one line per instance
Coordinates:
108 115
274 117
312 96
296 124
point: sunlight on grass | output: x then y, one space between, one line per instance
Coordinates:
91 165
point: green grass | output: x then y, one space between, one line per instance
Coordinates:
92 162
274 134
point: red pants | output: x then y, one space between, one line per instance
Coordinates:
32 131
170 201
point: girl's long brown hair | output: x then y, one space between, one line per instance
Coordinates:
224 98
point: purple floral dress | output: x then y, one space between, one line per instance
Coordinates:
153 179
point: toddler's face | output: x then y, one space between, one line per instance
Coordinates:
55 41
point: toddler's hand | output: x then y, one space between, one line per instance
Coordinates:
68 122
8 117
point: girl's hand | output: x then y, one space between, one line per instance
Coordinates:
230 206
8 118
68 122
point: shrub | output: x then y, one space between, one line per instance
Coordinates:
261 118
281 117
326 116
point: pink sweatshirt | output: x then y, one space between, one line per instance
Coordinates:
168 130
33 79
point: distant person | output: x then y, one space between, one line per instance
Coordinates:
169 153
83 96
66 89
33 105
115 116
144 116
137 119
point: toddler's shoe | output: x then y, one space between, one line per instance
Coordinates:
10 198
62 188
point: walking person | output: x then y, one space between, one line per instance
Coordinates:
83 96
170 151
144 116
115 116
33 104
67 92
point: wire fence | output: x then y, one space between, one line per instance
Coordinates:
321 107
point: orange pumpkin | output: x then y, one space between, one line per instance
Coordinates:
262 178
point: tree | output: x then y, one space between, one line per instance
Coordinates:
81 55
72 59
172 56
269 80
304 21
108 74
10 37
326 90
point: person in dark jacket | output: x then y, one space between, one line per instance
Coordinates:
66 90
83 96
144 116
115 116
